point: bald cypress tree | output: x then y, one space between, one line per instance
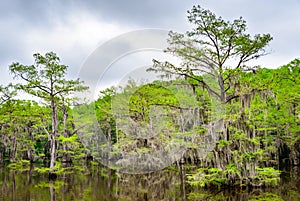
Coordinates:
46 79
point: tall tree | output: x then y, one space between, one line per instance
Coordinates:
211 47
214 56
45 79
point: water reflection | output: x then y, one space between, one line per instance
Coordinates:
105 185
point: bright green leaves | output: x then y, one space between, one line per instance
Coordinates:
147 96
267 175
22 126
206 177
103 105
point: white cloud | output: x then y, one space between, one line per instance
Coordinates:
73 37
80 30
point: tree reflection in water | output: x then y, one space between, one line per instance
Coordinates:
106 185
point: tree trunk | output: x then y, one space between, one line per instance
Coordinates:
109 137
182 181
222 89
52 192
2 150
65 156
53 151
53 134
13 151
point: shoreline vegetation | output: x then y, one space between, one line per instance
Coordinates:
239 126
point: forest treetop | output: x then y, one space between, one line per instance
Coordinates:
212 46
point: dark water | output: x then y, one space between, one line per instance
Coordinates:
104 184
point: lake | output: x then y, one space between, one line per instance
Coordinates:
104 184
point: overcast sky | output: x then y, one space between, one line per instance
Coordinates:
75 29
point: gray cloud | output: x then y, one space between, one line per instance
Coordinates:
30 26
147 12
74 28
28 12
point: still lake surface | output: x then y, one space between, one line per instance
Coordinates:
103 184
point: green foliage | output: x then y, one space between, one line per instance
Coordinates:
56 184
22 165
42 170
223 39
150 95
266 197
46 78
223 143
267 175
215 48
207 177
196 195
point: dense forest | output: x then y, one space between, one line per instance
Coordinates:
237 125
